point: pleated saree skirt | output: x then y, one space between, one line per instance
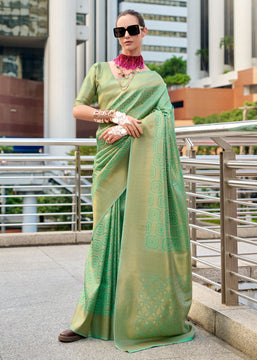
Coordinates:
95 309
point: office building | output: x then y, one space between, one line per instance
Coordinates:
224 34
167 28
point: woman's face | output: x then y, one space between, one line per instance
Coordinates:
131 45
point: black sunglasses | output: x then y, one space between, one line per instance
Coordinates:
132 30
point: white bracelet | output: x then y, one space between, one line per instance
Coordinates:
120 118
118 130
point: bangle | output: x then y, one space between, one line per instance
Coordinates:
119 118
103 117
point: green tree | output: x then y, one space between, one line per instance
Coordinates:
204 53
226 116
5 148
178 79
228 43
173 71
173 66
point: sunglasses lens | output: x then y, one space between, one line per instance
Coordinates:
133 30
119 32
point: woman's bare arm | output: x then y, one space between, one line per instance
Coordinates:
84 112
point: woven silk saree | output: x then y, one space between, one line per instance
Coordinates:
137 287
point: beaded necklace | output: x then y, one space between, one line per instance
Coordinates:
134 63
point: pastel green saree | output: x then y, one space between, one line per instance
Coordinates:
137 287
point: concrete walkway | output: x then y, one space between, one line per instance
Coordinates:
40 287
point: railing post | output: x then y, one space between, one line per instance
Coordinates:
228 227
191 153
77 190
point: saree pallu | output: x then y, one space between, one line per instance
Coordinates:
137 287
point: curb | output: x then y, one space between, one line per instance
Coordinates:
46 238
237 325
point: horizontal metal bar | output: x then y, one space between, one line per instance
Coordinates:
39 223
237 164
239 239
216 199
36 157
200 163
242 258
37 214
39 186
243 183
243 296
38 168
214 241
219 129
37 195
206 279
253 224
87 157
247 211
207 263
201 179
48 141
204 246
243 202
208 255
244 277
26 205
204 213
35 177
204 228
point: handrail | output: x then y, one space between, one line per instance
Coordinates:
229 129
221 129
47 141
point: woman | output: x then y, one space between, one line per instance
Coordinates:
137 287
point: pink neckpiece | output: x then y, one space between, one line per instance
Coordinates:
129 62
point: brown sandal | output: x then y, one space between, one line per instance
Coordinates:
69 336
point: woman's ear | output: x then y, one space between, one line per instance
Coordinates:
144 31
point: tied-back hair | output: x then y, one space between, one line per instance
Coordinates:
134 13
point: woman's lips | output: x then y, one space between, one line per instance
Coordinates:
128 42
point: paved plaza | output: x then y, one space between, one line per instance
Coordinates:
40 287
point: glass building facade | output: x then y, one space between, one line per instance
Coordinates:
23 32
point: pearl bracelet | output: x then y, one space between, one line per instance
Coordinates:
118 130
119 118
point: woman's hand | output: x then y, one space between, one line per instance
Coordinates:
110 135
133 127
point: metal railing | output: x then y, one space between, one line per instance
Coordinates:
44 191
222 203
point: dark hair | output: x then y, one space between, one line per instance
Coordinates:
134 13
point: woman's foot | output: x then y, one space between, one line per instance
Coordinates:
69 336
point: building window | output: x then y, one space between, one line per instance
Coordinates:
80 19
167 33
250 89
171 49
204 35
164 18
178 104
24 18
161 2
22 63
